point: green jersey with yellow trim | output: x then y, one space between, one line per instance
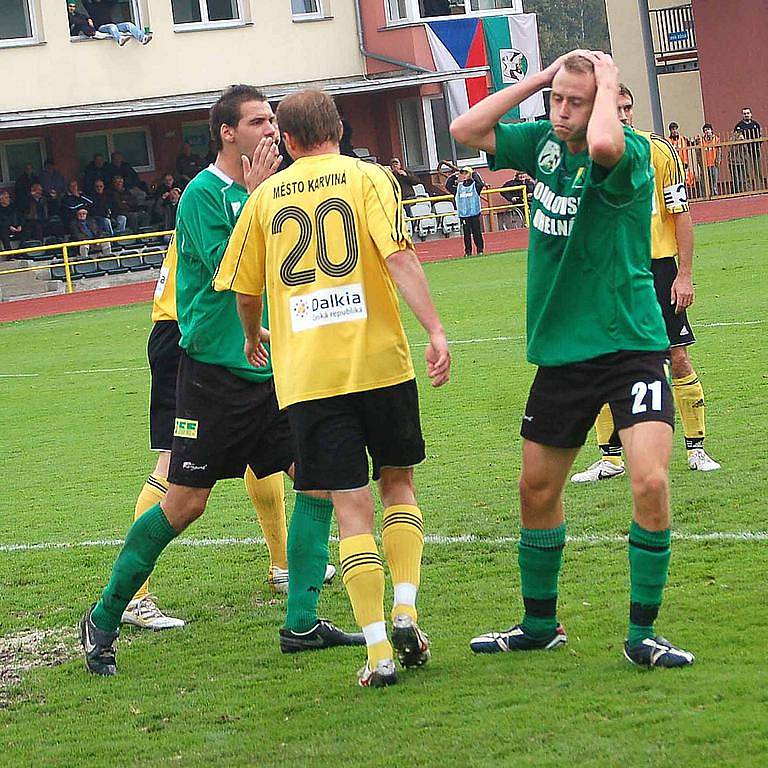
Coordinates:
208 321
590 287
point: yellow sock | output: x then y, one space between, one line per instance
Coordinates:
689 399
403 540
268 498
363 574
152 493
604 429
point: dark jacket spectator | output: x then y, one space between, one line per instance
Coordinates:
123 203
119 167
10 224
52 180
82 227
170 207
188 164
404 178
160 194
515 195
96 169
73 201
24 185
345 144
750 129
35 214
79 23
101 11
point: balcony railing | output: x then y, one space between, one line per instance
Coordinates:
674 38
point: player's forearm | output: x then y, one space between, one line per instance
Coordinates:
249 309
475 128
409 277
605 134
684 235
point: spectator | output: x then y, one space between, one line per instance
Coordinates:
79 23
160 195
711 156
188 164
10 225
84 228
112 224
681 144
405 179
123 203
101 12
345 143
170 207
119 167
74 200
737 163
37 223
751 129
53 181
508 218
466 185
96 169
24 185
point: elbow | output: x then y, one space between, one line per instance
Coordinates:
460 130
606 151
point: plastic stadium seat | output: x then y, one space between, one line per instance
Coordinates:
423 226
58 272
419 190
449 221
154 259
112 267
89 270
132 260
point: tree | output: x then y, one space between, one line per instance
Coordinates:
568 24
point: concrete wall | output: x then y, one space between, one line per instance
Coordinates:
273 49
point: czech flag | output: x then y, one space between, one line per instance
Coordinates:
459 44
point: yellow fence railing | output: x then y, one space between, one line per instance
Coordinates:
491 210
68 263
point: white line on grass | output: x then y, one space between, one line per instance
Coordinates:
454 342
432 539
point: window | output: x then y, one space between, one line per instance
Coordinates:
205 11
439 140
418 10
492 5
17 22
14 155
133 143
197 135
412 134
304 9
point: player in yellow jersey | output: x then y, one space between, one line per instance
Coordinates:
326 239
672 266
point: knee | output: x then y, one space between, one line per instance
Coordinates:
650 487
182 512
537 494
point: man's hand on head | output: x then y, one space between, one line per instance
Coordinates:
606 71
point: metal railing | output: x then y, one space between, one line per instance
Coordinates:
674 33
68 263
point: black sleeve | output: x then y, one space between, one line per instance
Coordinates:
450 184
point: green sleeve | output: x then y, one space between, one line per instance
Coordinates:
205 227
516 145
630 175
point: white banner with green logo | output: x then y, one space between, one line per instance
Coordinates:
512 44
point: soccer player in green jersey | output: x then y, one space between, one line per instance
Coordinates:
595 331
227 417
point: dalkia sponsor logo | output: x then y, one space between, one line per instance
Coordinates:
327 306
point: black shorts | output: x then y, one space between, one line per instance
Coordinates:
164 353
564 400
331 436
223 424
678 328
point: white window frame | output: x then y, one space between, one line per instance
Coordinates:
5 181
323 12
429 132
111 145
242 20
34 38
424 142
413 13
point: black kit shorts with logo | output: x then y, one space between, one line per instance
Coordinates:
331 436
223 424
678 328
164 353
564 400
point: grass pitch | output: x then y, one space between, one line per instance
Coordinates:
74 456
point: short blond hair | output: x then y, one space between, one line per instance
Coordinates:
310 118
575 62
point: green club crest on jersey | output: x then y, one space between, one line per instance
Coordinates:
550 156
514 65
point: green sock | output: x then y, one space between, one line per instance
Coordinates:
308 534
649 553
540 554
149 535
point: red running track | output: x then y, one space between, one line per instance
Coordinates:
434 250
